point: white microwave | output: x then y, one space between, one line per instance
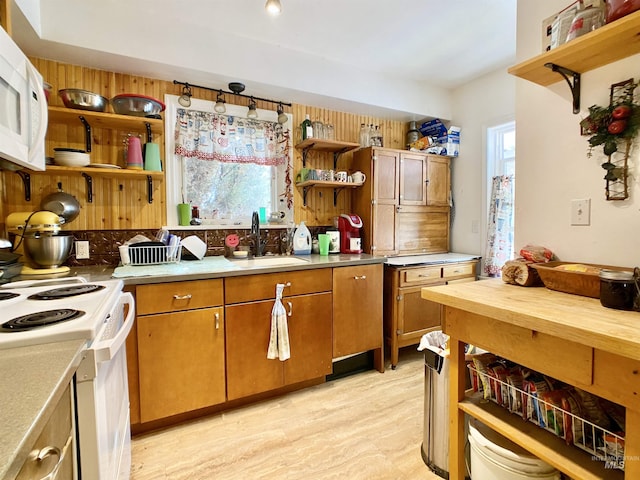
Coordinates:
23 109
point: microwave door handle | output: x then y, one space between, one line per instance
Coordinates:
42 128
105 350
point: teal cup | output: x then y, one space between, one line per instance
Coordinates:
152 157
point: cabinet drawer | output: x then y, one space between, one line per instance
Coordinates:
261 287
176 296
459 270
420 275
56 433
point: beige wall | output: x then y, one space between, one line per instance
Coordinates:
552 167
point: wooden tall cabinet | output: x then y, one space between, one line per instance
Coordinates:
181 352
405 202
307 299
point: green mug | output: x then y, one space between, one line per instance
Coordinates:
184 214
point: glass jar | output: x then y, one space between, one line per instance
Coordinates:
318 129
617 289
329 131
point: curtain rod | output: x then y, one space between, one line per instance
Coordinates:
187 84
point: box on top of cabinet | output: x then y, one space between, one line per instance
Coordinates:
447 138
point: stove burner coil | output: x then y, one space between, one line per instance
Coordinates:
8 295
41 319
65 292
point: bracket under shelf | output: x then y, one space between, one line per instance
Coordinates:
306 189
26 181
574 87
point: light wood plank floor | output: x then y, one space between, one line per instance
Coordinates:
366 426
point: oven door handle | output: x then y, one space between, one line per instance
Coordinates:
105 350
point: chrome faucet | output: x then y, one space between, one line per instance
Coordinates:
255 233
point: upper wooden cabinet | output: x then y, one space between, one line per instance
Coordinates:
405 202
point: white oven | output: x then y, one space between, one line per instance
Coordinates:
102 314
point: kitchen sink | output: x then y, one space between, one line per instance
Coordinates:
262 262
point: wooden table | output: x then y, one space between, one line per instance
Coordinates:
568 337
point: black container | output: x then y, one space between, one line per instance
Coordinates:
617 289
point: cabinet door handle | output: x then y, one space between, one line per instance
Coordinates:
290 309
217 318
360 277
288 284
182 297
39 456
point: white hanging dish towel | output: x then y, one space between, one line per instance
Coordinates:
279 339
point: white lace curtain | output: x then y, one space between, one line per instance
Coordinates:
500 228
210 136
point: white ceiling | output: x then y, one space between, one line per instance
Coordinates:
391 58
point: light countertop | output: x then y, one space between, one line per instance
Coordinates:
32 382
572 317
216 267
430 259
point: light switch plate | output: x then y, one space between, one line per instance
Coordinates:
581 211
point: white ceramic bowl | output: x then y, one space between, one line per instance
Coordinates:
195 246
71 158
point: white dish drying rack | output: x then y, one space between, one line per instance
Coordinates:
602 444
152 254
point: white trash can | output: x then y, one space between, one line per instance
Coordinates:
494 457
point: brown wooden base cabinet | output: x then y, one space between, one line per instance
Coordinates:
307 299
181 352
203 343
357 307
407 316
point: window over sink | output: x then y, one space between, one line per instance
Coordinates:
226 189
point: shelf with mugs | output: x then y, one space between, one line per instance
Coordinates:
337 147
90 171
336 186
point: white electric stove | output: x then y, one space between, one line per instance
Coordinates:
50 311
46 311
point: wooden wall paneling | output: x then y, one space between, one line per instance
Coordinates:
127 207
5 15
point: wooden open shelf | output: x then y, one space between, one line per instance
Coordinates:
105 120
326 145
569 459
100 172
612 42
324 183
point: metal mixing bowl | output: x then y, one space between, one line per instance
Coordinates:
138 105
46 250
83 99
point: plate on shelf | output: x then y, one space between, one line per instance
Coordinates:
104 165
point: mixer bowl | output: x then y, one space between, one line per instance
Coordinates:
46 250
